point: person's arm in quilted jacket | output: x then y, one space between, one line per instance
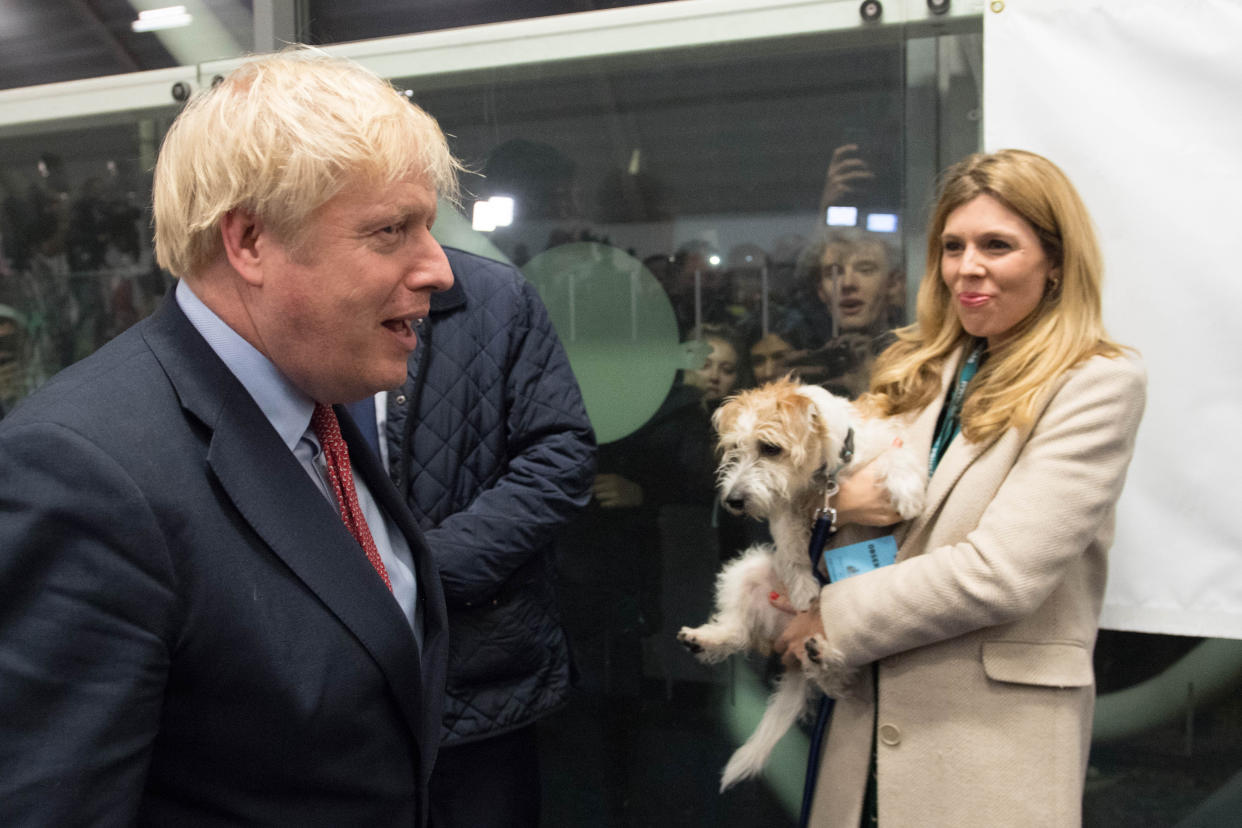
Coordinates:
551 463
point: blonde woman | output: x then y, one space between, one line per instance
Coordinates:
976 688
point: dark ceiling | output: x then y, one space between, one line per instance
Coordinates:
47 41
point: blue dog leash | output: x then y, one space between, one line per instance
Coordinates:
825 527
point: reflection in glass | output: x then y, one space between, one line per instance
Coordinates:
673 216
76 265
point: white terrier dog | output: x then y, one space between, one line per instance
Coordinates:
782 447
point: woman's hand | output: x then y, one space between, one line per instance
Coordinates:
791 644
864 500
616 492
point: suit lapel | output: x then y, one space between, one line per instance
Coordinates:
957 458
274 495
426 707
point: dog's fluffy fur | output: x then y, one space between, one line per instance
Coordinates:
779 445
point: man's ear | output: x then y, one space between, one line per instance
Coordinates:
240 232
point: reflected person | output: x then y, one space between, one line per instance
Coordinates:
858 278
769 357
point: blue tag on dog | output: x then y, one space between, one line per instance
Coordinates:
859 557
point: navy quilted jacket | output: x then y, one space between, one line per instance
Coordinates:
490 442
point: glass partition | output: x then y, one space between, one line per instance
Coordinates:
76 264
703 204
698 220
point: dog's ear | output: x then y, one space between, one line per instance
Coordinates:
830 420
797 416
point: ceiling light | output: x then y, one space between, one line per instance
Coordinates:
497 211
842 216
169 17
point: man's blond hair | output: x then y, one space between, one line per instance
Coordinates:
279 137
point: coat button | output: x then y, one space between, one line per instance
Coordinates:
401 399
890 734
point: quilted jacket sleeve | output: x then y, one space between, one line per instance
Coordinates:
544 461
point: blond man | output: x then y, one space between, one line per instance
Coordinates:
218 610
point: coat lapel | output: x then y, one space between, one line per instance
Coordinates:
424 706
275 496
960 454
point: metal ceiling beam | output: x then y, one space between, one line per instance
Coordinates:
100 29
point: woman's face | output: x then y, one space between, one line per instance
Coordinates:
994 266
719 373
768 356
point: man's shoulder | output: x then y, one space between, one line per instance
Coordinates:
114 384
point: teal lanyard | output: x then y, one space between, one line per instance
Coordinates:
951 417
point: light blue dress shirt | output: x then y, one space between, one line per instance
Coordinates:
289 412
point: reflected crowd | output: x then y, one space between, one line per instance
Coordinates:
75 268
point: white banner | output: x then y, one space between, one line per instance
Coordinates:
1140 102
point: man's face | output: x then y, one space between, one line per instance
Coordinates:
854 284
335 314
768 356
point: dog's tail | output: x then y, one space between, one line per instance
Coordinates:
785 706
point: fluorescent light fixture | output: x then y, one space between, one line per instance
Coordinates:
169 17
482 219
502 210
497 211
882 222
842 216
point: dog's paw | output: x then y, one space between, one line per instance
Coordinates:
688 639
711 643
908 500
905 477
825 666
803 592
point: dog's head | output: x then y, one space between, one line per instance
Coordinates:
775 442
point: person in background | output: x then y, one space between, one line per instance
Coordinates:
718 375
975 688
217 608
769 357
857 281
489 442
12 381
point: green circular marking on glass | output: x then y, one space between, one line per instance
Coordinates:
618 327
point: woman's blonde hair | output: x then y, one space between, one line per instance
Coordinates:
279 137
1065 328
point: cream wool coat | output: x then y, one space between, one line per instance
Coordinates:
984 628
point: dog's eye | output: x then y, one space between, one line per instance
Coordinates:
769 449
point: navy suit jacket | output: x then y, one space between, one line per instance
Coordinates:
188 633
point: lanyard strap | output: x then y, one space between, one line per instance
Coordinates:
826 517
951 418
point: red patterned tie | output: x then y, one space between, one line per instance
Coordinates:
336 453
